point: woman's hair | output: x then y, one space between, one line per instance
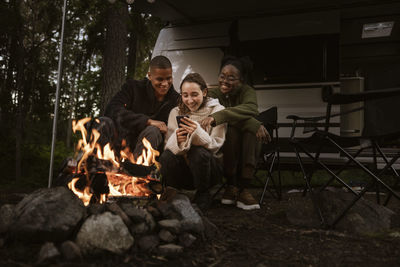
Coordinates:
192 78
243 64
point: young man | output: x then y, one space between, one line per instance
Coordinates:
142 107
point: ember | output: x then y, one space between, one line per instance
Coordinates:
101 173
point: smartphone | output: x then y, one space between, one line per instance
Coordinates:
179 119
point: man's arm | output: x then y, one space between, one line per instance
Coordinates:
119 109
243 111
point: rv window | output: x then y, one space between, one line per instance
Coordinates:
303 59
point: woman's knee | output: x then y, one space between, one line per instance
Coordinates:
168 160
199 153
233 134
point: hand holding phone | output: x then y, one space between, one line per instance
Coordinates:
179 119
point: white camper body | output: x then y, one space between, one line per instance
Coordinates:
356 45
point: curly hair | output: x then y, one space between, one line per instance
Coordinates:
244 65
192 78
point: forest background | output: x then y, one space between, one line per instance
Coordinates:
105 42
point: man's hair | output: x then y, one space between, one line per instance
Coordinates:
160 62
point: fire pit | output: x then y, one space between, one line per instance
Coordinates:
111 206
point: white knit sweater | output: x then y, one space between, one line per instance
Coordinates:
212 140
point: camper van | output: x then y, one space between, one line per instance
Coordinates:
299 48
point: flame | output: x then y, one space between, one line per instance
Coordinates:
119 184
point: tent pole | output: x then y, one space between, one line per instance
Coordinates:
53 142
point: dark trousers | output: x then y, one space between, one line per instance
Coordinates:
199 170
153 135
241 150
110 134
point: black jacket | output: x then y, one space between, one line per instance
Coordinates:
131 107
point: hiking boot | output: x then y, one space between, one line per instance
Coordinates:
246 201
168 194
230 195
202 200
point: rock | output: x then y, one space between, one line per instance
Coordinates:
6 217
174 226
151 223
154 211
166 236
186 240
49 214
47 252
164 207
174 215
139 215
364 217
105 231
191 220
70 250
114 208
301 212
96 208
210 229
170 250
140 228
148 243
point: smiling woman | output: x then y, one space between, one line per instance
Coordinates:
244 131
190 159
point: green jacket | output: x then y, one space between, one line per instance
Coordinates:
240 108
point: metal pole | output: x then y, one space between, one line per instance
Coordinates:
53 142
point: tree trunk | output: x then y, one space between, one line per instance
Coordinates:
7 109
133 42
19 87
114 61
71 110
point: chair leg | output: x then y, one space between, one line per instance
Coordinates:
333 177
371 185
270 177
279 176
376 177
307 181
378 199
395 174
330 171
265 189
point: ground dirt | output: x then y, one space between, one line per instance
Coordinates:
246 238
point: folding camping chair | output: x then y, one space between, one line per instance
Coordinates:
322 138
269 154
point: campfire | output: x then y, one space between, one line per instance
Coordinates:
101 173
131 220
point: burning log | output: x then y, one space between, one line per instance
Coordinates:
99 172
99 187
138 170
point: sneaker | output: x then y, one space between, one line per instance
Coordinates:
203 200
230 195
246 201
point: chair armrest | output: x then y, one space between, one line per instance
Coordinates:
297 118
